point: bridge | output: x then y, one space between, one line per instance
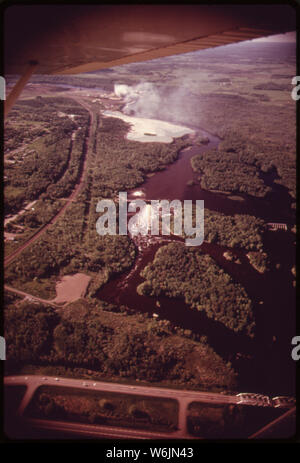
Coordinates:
183 397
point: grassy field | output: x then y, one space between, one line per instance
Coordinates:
107 408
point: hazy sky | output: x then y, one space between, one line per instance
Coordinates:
288 37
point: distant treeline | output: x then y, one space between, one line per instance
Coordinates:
76 81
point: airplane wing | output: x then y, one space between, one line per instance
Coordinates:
75 38
60 39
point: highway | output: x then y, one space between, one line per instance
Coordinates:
183 397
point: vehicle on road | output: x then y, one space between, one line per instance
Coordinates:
283 401
261 400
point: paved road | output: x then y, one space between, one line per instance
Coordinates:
69 200
101 432
183 397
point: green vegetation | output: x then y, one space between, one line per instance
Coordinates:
228 169
73 245
123 164
181 272
44 156
11 298
270 139
201 140
239 163
28 223
107 408
28 332
63 250
97 340
92 339
238 231
259 260
42 213
231 257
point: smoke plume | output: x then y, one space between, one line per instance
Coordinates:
153 102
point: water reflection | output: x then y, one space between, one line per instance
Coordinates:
264 364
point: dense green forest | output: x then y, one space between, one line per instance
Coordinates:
238 231
266 155
182 272
110 342
235 231
43 148
239 163
229 171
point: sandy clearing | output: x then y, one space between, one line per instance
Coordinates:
158 131
9 236
71 287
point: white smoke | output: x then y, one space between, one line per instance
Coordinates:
142 100
170 104
121 90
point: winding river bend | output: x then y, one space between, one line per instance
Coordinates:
264 364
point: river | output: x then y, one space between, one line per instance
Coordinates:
264 363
